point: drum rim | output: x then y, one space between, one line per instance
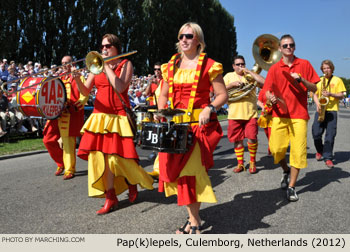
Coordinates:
64 102
18 94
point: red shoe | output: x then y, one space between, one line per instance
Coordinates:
239 168
68 176
318 156
59 171
329 163
111 203
252 167
133 193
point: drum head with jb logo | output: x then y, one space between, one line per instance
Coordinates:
158 137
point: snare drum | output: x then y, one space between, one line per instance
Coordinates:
156 136
46 99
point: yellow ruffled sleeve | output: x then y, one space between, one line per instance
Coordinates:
164 69
215 70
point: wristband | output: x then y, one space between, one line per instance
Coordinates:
212 108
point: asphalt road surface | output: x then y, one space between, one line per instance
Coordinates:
33 200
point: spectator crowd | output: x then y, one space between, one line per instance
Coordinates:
11 75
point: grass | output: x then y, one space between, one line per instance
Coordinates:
222 117
21 145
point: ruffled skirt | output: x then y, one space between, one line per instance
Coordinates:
193 183
108 137
187 174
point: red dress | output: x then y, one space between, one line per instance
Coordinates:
186 174
107 133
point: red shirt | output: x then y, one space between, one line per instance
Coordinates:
154 87
294 97
107 101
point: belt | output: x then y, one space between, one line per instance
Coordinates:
193 118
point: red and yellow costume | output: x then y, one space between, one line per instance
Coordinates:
289 121
67 127
265 119
186 174
155 92
242 122
108 138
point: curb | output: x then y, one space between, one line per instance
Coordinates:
15 155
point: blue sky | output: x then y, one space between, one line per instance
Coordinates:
321 28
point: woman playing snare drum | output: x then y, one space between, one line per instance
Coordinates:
186 174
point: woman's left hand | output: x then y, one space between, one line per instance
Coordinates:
204 116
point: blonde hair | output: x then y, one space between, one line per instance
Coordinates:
329 63
197 30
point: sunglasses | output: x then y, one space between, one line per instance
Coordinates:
292 45
157 69
187 35
240 64
106 45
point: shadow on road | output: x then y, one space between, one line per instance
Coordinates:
316 180
245 212
341 156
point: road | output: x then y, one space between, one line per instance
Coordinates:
33 200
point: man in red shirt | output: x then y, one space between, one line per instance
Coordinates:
151 90
286 85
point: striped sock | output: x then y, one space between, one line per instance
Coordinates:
252 148
239 153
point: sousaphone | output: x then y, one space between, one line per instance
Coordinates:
266 53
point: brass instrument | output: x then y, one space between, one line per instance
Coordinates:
266 53
323 100
236 94
94 63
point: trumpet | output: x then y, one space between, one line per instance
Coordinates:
323 100
94 63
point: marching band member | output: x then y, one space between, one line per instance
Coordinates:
153 91
107 143
333 88
60 134
243 114
286 86
187 80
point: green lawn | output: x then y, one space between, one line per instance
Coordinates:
222 117
21 145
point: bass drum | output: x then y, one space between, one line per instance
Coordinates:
46 99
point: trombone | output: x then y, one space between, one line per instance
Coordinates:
94 63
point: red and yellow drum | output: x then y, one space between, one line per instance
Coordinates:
46 99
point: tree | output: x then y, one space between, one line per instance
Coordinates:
46 30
